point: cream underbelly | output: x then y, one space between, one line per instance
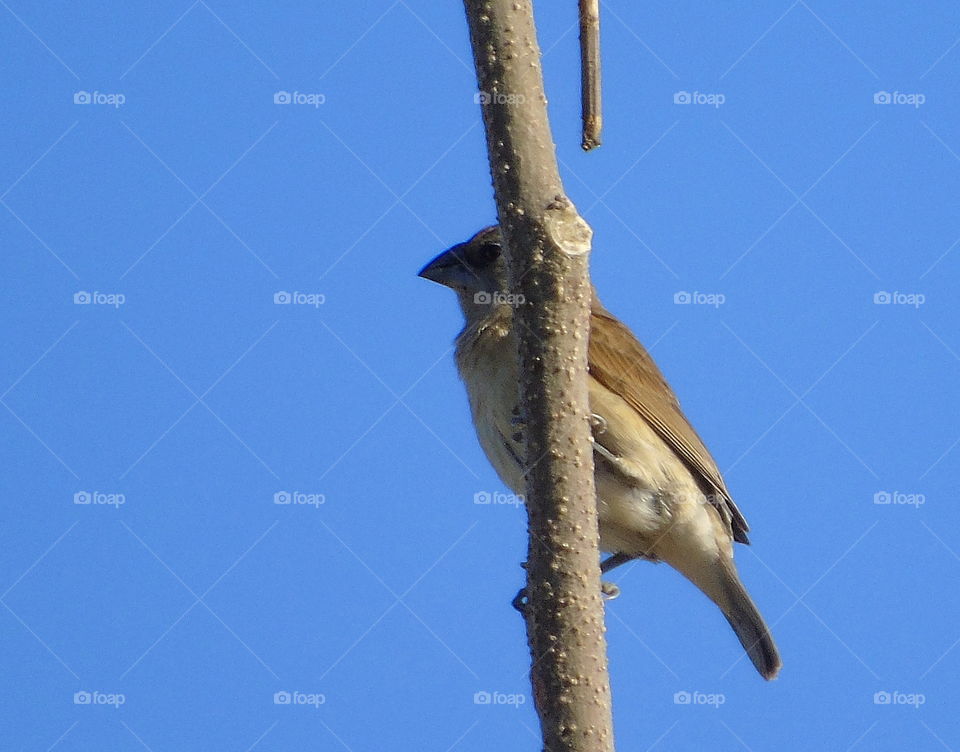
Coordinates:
643 502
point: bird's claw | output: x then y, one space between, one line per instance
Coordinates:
519 601
598 427
609 591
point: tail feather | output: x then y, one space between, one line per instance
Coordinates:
748 624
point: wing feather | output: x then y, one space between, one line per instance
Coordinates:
622 365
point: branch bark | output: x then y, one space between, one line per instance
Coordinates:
548 246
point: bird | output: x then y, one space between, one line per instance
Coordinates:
660 495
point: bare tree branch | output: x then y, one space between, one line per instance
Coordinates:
590 89
548 246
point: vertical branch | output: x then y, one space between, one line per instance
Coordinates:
548 246
590 91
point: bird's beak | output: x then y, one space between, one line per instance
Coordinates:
443 267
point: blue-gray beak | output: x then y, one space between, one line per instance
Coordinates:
447 268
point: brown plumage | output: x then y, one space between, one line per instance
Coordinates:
621 364
660 495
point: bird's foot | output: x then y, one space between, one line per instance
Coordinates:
598 424
598 427
609 591
520 601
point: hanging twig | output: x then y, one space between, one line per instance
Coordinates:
590 99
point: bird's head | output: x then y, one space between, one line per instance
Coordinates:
476 270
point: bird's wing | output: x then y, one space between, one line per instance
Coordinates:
622 365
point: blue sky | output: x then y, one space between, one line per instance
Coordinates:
791 170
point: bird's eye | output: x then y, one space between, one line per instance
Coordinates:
483 255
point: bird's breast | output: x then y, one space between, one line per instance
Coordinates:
487 361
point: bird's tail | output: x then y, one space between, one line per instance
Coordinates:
717 577
747 623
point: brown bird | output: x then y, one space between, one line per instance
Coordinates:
660 495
